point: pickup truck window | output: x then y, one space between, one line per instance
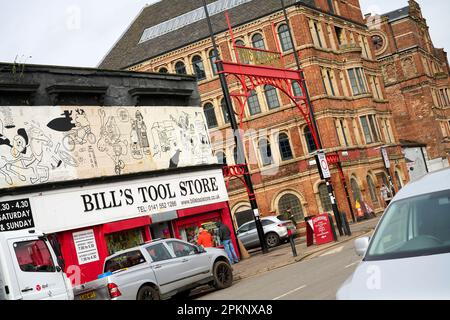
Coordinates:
181 249
123 261
34 256
158 252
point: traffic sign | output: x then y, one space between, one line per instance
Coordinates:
322 163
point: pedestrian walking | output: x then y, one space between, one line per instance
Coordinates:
204 238
385 195
225 238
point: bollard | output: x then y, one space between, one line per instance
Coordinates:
291 240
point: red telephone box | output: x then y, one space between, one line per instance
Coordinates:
322 229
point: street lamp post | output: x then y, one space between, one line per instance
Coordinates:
314 123
237 136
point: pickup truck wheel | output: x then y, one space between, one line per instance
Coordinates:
148 293
272 240
223 275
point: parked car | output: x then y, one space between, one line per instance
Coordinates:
408 256
158 270
275 232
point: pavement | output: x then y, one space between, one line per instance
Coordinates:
282 256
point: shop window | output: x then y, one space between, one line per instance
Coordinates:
34 256
285 147
181 249
289 204
271 97
285 38
258 42
158 252
124 240
325 197
180 68
124 261
189 232
199 68
210 115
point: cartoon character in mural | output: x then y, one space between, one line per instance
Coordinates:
139 139
163 138
111 143
27 152
77 126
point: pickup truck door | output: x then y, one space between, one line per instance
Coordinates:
170 271
36 271
195 265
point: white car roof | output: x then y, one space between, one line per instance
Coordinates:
429 183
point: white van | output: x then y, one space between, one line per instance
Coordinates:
29 268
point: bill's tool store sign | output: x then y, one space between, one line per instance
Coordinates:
15 215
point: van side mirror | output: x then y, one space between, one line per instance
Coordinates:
361 245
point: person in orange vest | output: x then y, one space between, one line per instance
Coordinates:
204 238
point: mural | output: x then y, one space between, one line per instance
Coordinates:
50 144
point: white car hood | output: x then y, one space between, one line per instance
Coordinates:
424 278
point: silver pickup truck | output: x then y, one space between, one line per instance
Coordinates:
158 270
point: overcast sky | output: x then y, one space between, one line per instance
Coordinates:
81 32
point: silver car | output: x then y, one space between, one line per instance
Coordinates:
408 256
158 270
275 232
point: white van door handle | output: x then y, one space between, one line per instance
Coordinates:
185 260
27 289
157 267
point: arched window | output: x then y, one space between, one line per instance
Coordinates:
271 97
253 103
212 60
163 70
242 57
240 43
266 152
296 89
210 115
199 68
325 197
221 158
310 143
290 204
355 190
372 190
285 147
284 37
226 115
180 68
258 42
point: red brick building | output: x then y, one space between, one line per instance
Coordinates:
416 77
344 80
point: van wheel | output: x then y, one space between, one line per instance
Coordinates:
223 275
148 293
272 240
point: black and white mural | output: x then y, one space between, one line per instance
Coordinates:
49 144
